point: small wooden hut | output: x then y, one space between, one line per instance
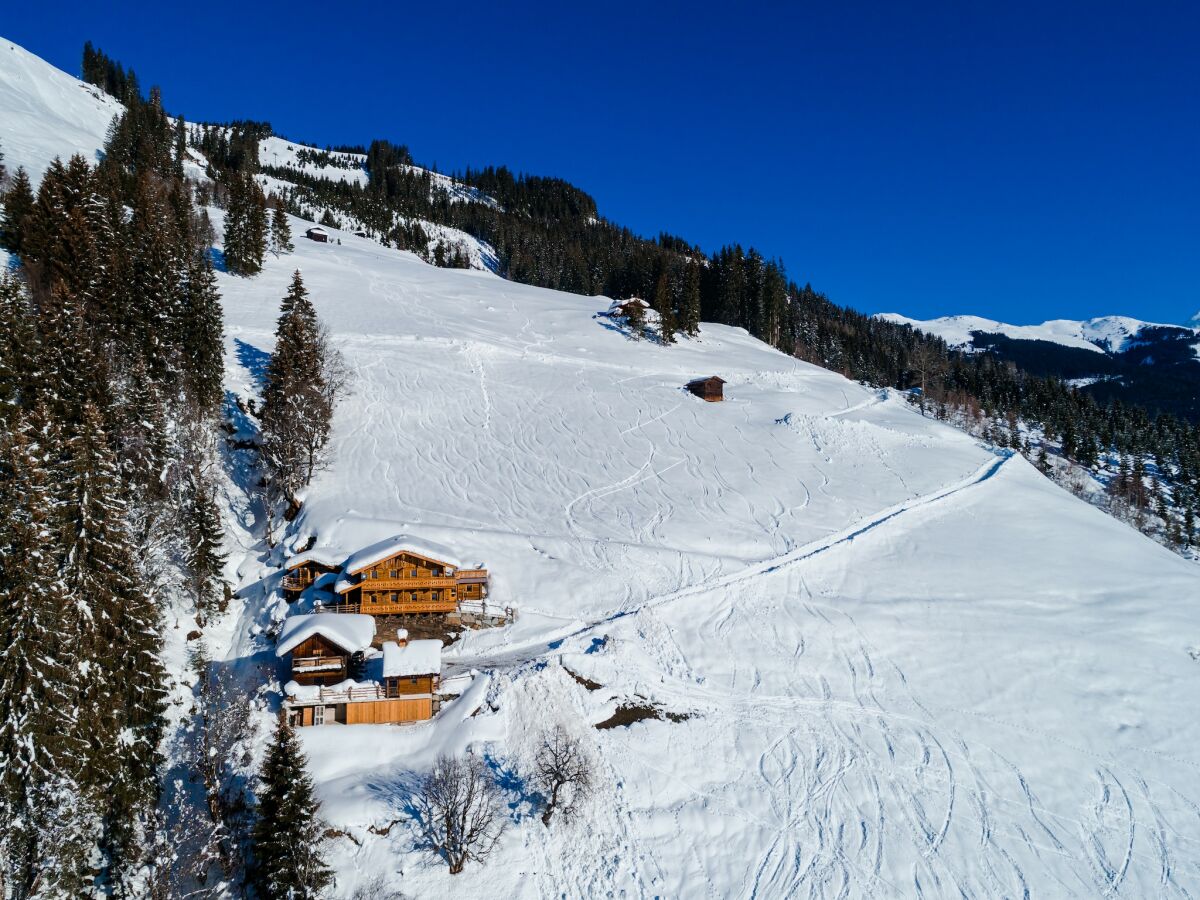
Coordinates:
318 234
710 388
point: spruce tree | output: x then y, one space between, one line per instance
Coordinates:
46 828
205 559
201 339
664 306
690 312
281 231
18 204
287 837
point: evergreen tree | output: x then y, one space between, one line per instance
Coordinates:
664 306
300 392
245 226
205 559
287 838
18 205
690 308
201 339
46 828
281 231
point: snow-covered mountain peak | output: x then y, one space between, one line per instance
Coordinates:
1104 334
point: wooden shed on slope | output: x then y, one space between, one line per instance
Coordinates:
318 234
710 388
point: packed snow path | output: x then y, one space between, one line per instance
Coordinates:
912 666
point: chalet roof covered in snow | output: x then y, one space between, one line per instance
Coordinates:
350 632
402 543
414 658
330 558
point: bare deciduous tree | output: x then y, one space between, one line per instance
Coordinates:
927 361
460 811
562 773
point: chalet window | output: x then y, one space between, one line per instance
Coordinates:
374 573
318 715
394 573
436 595
414 573
395 596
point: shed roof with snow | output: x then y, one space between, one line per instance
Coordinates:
414 658
351 632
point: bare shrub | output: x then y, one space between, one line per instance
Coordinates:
460 811
562 773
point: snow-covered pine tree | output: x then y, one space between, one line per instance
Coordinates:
205 559
46 822
664 305
288 862
245 225
201 339
690 307
116 628
281 231
18 204
298 399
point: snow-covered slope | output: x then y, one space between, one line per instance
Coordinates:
46 113
911 666
903 665
1106 334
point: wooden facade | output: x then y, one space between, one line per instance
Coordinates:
408 583
318 234
710 389
318 660
395 702
301 575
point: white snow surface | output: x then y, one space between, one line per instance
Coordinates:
349 631
911 666
1106 333
45 113
422 657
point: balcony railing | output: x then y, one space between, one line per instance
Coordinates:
399 608
295 583
406 584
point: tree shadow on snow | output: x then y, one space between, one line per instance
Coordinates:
218 259
254 361
510 781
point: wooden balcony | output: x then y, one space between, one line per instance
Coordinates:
325 695
471 575
399 608
295 583
406 584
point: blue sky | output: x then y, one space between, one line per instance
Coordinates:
1016 160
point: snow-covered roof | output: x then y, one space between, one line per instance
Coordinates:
318 229
707 378
401 543
330 558
414 658
351 632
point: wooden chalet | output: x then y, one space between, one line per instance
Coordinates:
318 234
338 678
404 577
710 388
305 570
625 308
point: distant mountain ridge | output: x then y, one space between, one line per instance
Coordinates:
1148 364
1106 334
